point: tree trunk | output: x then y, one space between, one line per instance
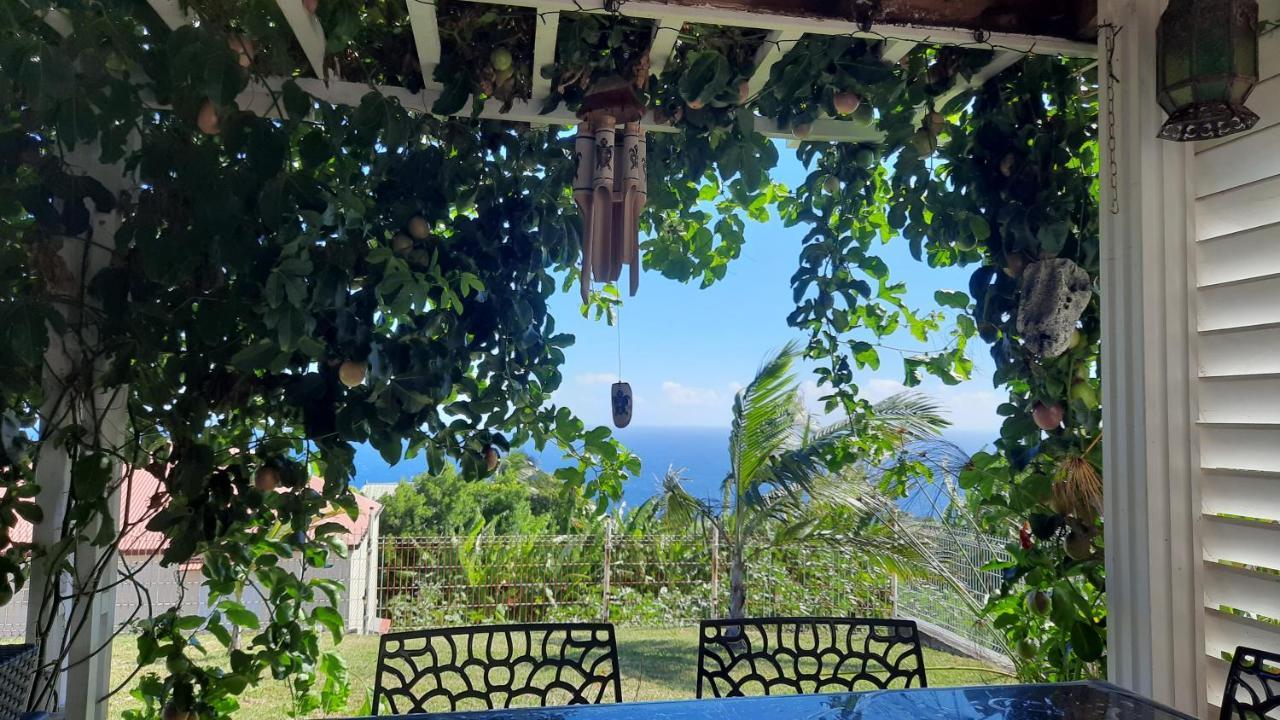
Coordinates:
737 583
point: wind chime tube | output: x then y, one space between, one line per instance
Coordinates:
602 197
584 153
634 150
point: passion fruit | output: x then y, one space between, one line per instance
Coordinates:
1039 602
1014 264
744 92
207 119
923 142
846 102
1083 392
501 59
1007 163
802 130
353 372
491 458
1078 546
1027 650
419 228
832 185
1048 416
243 48
696 104
401 244
267 479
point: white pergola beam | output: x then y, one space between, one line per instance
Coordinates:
306 28
654 9
172 13
544 51
895 50
665 37
1001 62
776 44
259 99
426 36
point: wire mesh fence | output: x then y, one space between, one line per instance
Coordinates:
664 580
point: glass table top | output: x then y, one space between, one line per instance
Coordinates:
1068 701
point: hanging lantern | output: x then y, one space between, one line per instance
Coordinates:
610 186
1206 66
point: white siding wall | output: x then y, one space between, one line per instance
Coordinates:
1237 218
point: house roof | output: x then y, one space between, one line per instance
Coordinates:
144 495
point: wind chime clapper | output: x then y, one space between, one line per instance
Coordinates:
610 187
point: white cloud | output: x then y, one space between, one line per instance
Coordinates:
602 378
689 395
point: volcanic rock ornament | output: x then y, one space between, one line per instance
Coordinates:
1055 293
610 186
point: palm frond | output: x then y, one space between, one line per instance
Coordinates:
675 506
909 415
765 421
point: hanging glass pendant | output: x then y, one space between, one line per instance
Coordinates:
1206 66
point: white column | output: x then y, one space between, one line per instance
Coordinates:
1153 556
76 653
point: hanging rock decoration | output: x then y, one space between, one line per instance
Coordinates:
1055 293
620 400
610 186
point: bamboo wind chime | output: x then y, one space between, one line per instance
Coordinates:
610 187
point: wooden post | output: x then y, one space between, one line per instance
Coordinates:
606 570
715 569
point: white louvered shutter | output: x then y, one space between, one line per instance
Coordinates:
1237 183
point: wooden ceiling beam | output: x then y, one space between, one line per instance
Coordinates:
737 17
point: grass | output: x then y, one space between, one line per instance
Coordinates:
657 664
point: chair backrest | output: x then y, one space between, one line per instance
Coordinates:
771 656
1253 686
488 667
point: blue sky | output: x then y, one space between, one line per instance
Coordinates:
686 350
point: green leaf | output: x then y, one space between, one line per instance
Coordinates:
329 618
238 614
952 299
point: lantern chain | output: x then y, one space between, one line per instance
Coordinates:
1111 80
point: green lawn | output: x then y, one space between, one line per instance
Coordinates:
657 664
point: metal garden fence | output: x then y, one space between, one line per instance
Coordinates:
662 580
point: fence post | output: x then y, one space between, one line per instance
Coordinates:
893 596
607 570
715 568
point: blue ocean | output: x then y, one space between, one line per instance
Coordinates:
701 455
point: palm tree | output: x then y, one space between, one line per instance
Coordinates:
788 481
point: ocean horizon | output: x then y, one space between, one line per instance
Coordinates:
699 453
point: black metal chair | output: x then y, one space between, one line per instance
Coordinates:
1253 686
769 656
496 666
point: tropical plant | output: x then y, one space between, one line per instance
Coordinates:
792 479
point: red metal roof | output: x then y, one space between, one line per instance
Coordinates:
145 496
